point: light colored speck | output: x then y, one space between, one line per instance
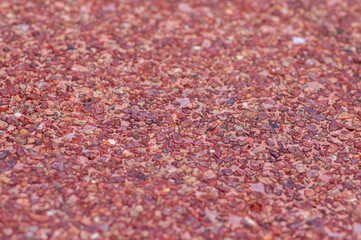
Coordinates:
196 48
183 101
267 105
357 228
112 141
187 92
96 219
94 236
239 57
184 7
89 127
40 84
235 220
177 70
24 27
298 40
258 187
212 215
17 114
51 212
250 221
70 135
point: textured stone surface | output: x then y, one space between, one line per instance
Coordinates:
180 120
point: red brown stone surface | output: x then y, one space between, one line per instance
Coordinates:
180 119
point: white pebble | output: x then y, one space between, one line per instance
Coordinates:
17 114
298 40
24 27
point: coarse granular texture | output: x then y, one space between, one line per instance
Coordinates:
204 119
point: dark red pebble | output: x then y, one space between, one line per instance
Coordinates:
275 154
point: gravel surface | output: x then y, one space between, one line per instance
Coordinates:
203 119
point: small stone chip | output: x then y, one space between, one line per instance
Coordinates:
275 154
298 40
